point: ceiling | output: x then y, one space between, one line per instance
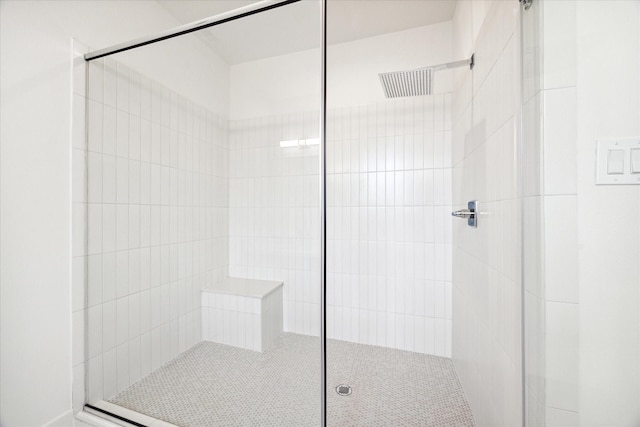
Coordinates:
296 27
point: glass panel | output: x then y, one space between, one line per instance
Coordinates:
204 261
390 195
581 239
533 236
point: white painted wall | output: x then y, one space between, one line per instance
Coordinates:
35 184
352 76
290 83
273 86
185 64
35 217
608 105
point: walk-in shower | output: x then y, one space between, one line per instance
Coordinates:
270 238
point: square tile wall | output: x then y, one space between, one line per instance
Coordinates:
155 216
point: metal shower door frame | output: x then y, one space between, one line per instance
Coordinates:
239 13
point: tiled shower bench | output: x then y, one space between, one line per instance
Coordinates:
245 313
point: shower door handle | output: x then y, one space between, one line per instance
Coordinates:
470 214
463 213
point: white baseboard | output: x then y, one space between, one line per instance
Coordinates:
63 420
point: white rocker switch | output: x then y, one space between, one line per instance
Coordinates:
615 162
635 160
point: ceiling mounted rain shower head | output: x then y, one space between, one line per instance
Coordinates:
399 84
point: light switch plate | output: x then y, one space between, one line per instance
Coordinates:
603 167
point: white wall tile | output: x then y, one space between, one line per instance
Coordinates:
110 82
135 352
122 227
562 355
109 182
122 320
137 205
122 133
561 248
108 276
122 273
560 161
109 325
122 366
109 130
364 240
95 379
110 372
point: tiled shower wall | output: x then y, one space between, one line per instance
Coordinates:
155 210
274 213
389 229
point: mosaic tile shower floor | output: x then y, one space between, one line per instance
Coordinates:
218 385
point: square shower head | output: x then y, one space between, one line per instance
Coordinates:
400 84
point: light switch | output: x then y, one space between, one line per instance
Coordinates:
615 162
635 160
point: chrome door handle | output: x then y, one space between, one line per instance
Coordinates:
463 213
470 214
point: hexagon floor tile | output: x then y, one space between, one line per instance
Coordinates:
217 385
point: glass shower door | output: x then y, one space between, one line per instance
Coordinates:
203 263
389 230
581 234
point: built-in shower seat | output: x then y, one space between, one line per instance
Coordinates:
244 313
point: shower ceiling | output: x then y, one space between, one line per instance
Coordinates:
348 20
